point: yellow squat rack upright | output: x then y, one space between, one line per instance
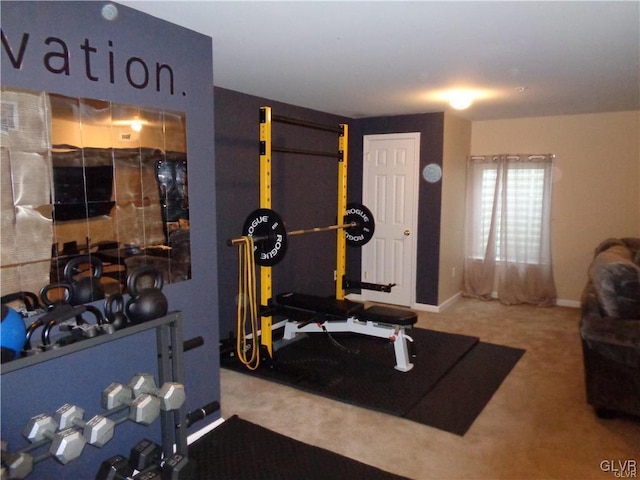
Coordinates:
266 149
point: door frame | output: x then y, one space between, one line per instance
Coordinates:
413 221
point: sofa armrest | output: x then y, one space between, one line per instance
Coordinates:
613 338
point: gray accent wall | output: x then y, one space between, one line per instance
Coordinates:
35 36
304 194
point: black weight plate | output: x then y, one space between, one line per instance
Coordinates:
270 236
363 232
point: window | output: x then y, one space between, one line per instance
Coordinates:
508 224
524 196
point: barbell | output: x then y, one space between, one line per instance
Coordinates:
270 236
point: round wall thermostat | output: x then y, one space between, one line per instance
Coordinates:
432 173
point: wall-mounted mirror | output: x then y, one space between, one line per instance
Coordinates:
90 177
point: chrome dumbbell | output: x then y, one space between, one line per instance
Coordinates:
143 409
97 431
65 446
171 395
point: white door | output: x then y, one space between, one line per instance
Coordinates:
390 185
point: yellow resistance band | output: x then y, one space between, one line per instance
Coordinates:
247 327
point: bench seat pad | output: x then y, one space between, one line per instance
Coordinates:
393 316
324 305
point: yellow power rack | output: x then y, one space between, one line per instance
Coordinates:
266 150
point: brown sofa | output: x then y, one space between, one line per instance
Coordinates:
610 328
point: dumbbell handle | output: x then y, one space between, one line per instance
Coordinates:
113 411
34 445
40 458
49 438
79 422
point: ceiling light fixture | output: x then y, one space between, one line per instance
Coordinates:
460 100
461 97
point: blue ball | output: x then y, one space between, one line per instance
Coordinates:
12 333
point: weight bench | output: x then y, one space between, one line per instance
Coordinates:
313 314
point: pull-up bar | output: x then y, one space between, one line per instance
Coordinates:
307 152
305 123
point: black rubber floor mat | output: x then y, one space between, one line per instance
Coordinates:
241 450
453 378
361 372
460 396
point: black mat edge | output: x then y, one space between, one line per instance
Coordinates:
470 377
241 450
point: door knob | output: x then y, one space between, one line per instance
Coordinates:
407 232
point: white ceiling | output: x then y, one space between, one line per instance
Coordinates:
362 59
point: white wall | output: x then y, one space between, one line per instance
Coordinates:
596 192
456 149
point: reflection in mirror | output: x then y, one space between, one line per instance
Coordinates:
85 177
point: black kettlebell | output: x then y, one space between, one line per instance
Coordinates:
29 299
54 300
145 303
84 289
114 311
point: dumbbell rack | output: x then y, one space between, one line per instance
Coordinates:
170 368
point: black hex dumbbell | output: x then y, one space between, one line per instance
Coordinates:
145 454
115 468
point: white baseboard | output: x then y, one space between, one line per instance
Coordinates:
203 431
424 307
568 303
355 297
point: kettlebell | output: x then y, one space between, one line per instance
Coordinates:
85 289
55 301
29 299
114 311
145 303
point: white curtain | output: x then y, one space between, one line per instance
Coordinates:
508 238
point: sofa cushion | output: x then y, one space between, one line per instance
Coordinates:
616 279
